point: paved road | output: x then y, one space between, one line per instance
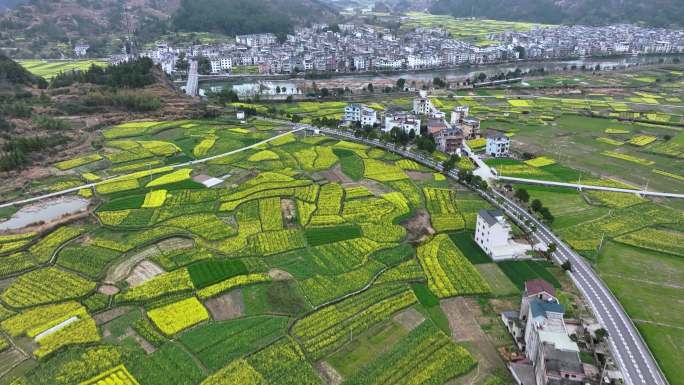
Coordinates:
175 166
587 187
629 349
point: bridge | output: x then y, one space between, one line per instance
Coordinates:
192 86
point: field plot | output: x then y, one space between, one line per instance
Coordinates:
303 250
49 69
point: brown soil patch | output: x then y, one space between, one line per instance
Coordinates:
106 316
108 289
328 373
409 319
417 175
418 226
462 314
335 174
226 307
289 212
279 275
118 272
143 272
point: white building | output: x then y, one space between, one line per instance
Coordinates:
404 121
493 235
498 145
360 113
81 49
423 105
221 64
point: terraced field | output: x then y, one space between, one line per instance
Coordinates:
257 279
49 69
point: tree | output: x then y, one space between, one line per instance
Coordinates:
552 248
325 92
537 205
482 77
401 83
601 334
370 87
522 194
546 214
203 65
567 266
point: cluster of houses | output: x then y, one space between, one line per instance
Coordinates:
449 135
360 48
540 332
579 41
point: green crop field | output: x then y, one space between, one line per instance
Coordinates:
275 269
49 69
313 255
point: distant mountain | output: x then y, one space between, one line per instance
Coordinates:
9 4
50 28
234 17
662 13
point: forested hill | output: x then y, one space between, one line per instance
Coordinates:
234 17
662 13
50 28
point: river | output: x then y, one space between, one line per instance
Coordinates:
463 72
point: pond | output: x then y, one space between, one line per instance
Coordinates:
45 211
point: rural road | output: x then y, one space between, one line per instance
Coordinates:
628 348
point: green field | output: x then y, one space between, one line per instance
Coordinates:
273 270
49 69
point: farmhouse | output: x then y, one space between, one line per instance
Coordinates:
552 357
423 105
449 140
360 113
493 235
403 121
498 145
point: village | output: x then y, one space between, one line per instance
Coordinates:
351 48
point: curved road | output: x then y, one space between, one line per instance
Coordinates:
628 348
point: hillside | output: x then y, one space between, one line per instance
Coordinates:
661 13
233 17
50 29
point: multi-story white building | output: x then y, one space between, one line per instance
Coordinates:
221 64
405 121
360 113
493 235
423 105
498 145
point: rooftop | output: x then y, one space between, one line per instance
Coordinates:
536 286
491 216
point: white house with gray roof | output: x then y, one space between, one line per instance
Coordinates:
494 236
